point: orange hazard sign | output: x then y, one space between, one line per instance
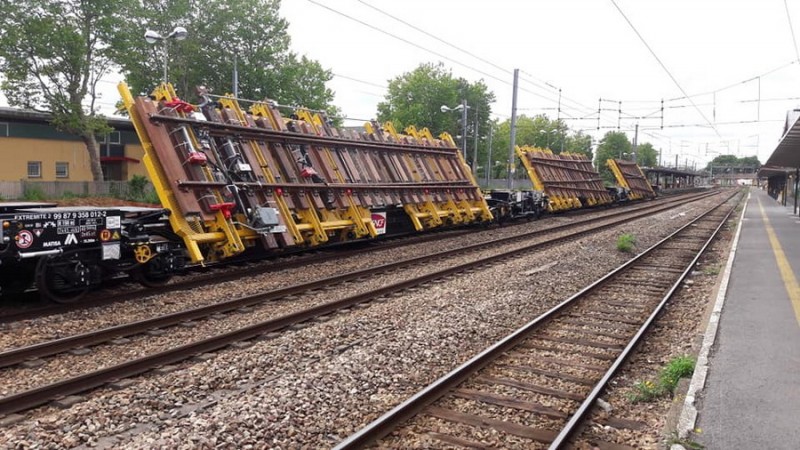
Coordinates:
105 235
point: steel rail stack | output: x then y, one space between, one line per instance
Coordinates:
568 180
630 176
237 179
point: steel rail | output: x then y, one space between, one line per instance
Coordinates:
571 426
180 285
38 396
385 424
18 355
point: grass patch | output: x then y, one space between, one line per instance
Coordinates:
676 368
33 194
711 270
686 442
626 242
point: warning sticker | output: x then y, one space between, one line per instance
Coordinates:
24 239
105 235
113 222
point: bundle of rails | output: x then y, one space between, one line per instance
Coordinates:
235 182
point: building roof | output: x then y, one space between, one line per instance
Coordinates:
787 153
29 115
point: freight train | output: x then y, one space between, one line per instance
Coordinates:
233 181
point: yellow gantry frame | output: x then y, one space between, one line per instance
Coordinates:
352 218
622 181
557 202
219 235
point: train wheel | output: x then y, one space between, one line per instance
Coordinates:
152 274
62 280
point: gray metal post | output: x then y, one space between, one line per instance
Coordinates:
235 75
635 142
489 165
796 180
475 150
166 57
464 128
513 132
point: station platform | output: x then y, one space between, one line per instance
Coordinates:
745 392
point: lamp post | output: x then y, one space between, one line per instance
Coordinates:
463 108
179 34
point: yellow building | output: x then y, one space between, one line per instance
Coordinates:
31 149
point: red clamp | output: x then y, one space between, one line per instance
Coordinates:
197 158
224 207
308 172
180 105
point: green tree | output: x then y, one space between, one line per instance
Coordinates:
416 97
249 32
614 145
52 55
579 142
646 155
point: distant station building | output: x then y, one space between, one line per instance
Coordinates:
669 178
32 149
734 175
780 176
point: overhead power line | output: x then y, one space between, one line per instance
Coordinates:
369 83
733 85
674 80
467 52
791 28
413 44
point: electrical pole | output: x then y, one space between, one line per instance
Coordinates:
475 151
511 169
464 128
489 164
235 75
635 142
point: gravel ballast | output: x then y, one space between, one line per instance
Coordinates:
312 387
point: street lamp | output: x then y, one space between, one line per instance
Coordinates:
179 34
463 108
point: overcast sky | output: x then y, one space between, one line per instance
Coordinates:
742 49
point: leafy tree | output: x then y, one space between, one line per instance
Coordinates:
732 160
614 145
580 143
220 31
416 97
52 55
646 155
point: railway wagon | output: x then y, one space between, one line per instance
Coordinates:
568 180
237 179
233 181
631 178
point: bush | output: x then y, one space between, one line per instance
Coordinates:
33 194
626 242
136 187
676 368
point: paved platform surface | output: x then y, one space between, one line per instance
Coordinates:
751 397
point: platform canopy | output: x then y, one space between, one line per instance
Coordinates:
787 153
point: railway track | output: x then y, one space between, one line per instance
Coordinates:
210 274
247 268
38 396
533 388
